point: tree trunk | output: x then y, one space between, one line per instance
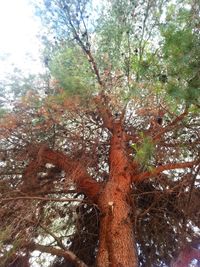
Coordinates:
116 238
116 241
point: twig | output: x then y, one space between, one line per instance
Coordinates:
43 199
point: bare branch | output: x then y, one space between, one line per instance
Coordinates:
66 254
42 199
57 239
167 167
171 125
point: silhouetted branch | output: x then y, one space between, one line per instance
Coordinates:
67 255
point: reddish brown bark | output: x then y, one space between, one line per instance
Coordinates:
171 166
116 244
102 106
74 169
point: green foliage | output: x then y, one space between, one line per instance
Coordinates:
3 112
4 234
70 67
182 57
144 152
17 83
114 30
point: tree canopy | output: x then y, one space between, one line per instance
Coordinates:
100 157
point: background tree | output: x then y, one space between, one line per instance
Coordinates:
101 164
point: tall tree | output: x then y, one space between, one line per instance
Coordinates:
106 173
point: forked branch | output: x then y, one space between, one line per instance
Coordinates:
73 169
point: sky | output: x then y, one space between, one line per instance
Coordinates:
19 45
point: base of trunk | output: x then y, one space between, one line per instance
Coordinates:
116 245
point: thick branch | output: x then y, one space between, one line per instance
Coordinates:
167 167
104 110
67 255
74 169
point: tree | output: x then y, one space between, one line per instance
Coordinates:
110 175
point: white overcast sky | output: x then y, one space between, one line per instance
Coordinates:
19 45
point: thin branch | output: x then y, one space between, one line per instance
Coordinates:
86 50
57 239
66 254
171 125
64 191
167 167
141 47
42 199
